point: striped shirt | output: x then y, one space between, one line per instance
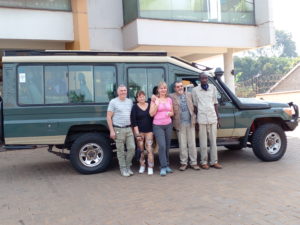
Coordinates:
121 110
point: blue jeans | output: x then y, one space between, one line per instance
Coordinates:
162 135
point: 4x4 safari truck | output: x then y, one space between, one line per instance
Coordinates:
60 98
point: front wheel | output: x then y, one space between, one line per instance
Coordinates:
90 153
269 142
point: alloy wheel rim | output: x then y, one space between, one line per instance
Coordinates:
91 155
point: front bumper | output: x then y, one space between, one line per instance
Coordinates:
293 123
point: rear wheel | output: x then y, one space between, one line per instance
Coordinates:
269 142
90 153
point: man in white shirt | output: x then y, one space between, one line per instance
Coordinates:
119 124
206 103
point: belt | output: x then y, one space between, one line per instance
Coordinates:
122 126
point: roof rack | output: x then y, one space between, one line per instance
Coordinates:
81 53
193 64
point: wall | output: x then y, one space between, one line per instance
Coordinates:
105 25
39 25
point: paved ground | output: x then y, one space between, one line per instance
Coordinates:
39 188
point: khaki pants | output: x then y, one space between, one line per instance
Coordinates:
187 144
211 130
124 136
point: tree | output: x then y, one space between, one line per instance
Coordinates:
283 47
248 67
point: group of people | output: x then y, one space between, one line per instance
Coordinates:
136 125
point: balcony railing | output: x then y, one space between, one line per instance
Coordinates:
214 11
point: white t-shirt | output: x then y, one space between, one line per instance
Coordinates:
121 110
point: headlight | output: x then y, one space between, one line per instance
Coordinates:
288 111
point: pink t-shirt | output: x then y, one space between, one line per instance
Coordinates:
161 117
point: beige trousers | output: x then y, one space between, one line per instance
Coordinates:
211 131
187 144
124 136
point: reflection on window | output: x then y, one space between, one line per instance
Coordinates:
63 5
144 79
30 85
56 84
105 83
81 87
220 11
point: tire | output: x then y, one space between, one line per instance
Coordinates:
269 142
90 153
233 147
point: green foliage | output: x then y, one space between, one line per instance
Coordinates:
285 46
248 67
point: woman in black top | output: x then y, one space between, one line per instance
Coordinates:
142 125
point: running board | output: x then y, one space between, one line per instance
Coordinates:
17 147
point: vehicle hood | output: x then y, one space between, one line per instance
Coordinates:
255 101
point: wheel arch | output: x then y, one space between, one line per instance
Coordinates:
265 120
77 130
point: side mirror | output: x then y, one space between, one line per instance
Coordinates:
221 100
218 73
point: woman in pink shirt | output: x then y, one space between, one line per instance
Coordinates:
161 109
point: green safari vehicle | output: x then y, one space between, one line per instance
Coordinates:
59 99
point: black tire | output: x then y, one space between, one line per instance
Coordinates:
266 153
90 153
233 147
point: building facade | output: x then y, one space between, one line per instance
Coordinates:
194 30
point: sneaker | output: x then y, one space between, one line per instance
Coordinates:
142 169
183 167
169 170
163 172
195 167
216 166
130 172
124 173
150 171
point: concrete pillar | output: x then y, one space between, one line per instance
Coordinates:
81 31
228 67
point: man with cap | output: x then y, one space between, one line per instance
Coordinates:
206 104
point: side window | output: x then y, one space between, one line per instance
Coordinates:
219 94
30 85
144 79
105 83
81 84
192 81
56 84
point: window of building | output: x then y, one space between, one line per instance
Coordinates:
30 85
63 5
81 84
144 79
217 11
105 83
